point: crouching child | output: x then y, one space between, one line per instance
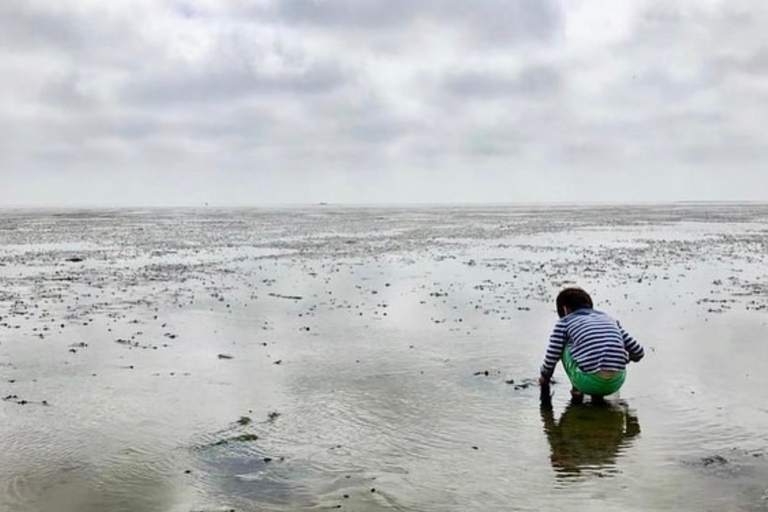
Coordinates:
593 347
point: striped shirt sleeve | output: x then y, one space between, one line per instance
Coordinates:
633 348
554 350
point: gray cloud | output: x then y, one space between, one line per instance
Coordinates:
25 27
230 81
263 101
533 81
752 64
502 21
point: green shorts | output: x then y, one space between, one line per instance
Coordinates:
591 383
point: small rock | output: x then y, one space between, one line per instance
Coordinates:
714 459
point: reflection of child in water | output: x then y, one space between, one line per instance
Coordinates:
588 436
593 347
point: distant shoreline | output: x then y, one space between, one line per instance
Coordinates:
325 205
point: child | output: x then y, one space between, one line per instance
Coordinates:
593 347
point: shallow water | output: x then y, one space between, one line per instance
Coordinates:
381 355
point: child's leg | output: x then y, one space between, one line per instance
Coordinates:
571 369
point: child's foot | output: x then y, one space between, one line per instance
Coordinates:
576 396
597 399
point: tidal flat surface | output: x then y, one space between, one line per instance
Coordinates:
372 359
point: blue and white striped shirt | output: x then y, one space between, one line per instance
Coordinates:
597 342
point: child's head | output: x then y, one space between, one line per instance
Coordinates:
572 299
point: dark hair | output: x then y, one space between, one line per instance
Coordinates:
573 299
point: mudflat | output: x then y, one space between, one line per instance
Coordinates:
377 358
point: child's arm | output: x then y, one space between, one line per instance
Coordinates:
554 351
633 348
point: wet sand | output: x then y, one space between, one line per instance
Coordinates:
377 358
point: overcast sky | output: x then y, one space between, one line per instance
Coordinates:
262 102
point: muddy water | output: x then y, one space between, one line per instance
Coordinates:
375 359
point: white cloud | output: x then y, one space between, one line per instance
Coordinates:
255 102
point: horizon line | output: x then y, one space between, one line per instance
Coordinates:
321 204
